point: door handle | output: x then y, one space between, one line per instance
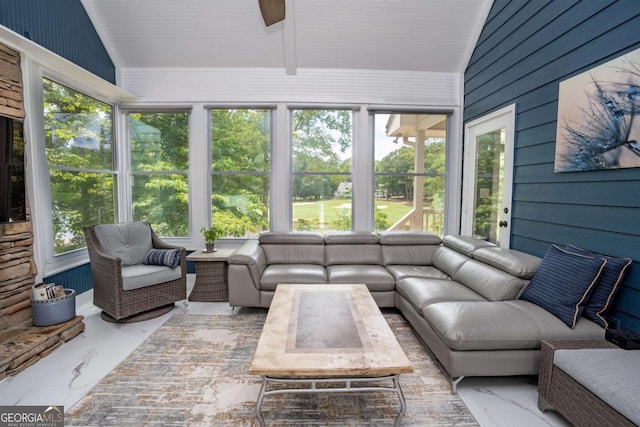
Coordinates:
503 223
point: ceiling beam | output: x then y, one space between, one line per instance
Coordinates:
289 40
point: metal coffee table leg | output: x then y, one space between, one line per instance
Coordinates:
259 402
349 387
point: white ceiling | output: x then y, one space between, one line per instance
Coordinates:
412 35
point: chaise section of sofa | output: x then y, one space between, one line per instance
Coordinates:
473 324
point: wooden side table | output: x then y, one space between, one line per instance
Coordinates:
211 275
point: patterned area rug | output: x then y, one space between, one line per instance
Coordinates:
193 371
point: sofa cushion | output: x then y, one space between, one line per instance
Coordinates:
501 325
292 273
491 283
129 241
612 374
466 245
403 271
354 254
420 292
351 238
294 254
408 254
376 277
167 257
448 260
297 238
408 238
607 286
514 262
563 282
141 275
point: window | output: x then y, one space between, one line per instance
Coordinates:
321 181
80 156
409 173
240 170
159 146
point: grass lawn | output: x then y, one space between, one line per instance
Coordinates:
327 211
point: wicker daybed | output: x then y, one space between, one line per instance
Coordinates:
558 390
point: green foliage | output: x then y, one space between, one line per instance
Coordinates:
380 220
240 165
343 223
488 185
321 141
160 145
304 224
79 151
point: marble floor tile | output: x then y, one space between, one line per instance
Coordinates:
69 372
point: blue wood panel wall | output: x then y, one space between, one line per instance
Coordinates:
524 51
63 27
78 278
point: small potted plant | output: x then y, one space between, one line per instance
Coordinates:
211 234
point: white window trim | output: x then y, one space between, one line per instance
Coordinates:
38 63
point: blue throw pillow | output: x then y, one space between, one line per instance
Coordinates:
562 283
602 296
167 257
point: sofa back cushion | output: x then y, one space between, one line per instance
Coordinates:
490 282
514 262
293 248
352 248
466 245
294 254
448 260
408 248
129 241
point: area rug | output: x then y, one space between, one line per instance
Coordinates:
193 371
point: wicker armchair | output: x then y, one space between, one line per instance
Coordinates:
109 294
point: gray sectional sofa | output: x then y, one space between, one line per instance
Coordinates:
458 293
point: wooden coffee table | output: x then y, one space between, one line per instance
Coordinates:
329 335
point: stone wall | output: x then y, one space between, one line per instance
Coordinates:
17 269
10 84
21 344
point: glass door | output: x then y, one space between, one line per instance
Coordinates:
486 206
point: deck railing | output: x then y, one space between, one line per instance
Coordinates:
430 220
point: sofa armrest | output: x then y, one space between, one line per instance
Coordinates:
547 349
252 255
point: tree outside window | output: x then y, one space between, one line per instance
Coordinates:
159 147
80 154
321 182
240 170
410 160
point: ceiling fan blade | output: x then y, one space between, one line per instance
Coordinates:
272 11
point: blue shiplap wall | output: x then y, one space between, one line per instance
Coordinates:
78 278
524 51
61 26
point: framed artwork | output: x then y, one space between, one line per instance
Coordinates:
598 117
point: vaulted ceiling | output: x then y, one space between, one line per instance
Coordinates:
413 35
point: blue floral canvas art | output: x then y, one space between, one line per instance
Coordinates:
598 123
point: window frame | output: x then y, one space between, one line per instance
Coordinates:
209 173
125 191
355 109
